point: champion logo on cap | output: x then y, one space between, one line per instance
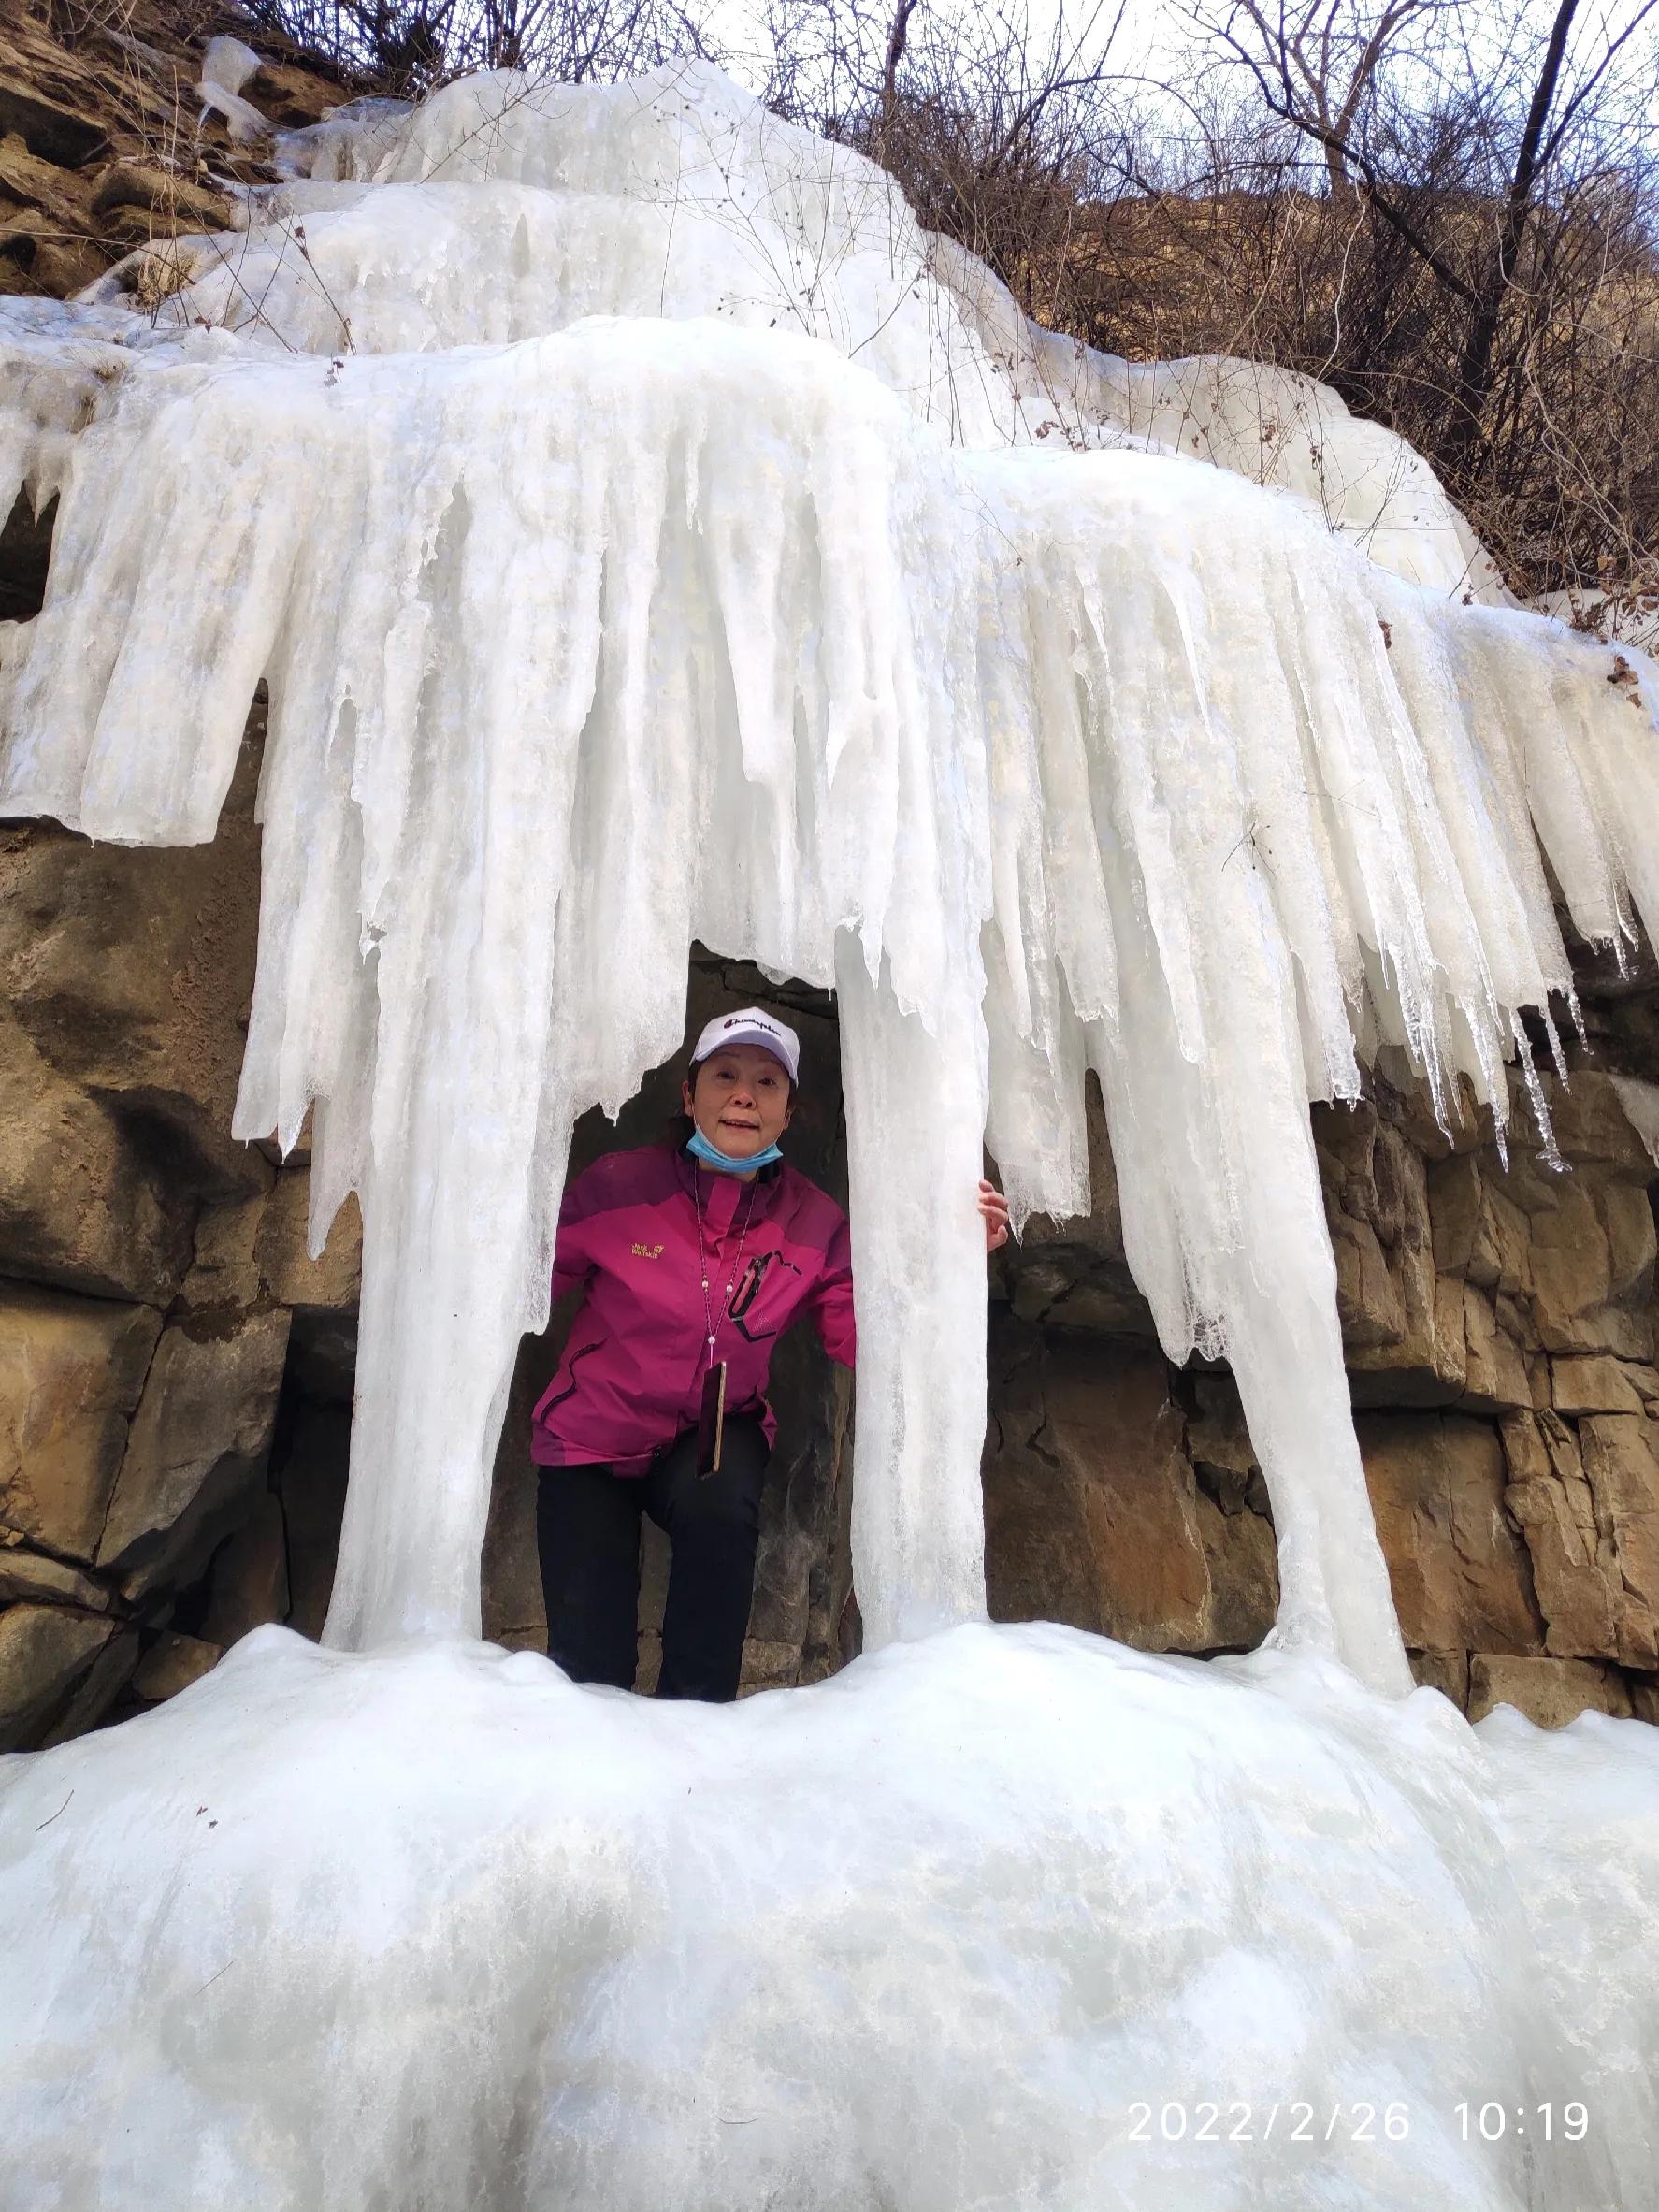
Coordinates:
752 1025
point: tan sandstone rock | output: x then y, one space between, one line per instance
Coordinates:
44 1650
1445 1672
1495 1379
1402 1322
97 1689
81 1205
1597 1384
1461 1576
223 1275
1550 1692
287 1273
71 1370
171 1664
27 1574
248 1580
197 1451
1623 1477
1588 1264
1095 1516
136 200
1574 1556
131 970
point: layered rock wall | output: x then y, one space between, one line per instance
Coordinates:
1499 1323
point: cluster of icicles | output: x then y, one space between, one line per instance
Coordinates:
646 533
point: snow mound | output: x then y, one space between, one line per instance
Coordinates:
1005 1918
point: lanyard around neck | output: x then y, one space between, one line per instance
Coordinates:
709 1320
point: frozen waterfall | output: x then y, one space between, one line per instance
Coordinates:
647 533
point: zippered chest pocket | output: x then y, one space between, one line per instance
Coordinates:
764 1296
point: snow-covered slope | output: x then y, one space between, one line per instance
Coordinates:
1006 1917
684 546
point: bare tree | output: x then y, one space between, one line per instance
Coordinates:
1314 64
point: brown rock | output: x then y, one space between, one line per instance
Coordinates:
768 1665
1445 1672
31 1575
137 201
1073 1274
1219 1445
44 1651
1094 1515
97 1690
248 1582
1591 1269
1073 1292
224 1275
1596 1385
51 133
1402 1323
1591 1124
1461 1576
81 1205
1623 1478
197 1451
311 1485
1495 1380
1550 1692
1454 1211
71 1370
171 1664
1500 1256
287 1274
1574 1557
131 969
42 215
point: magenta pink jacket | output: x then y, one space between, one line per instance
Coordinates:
631 1376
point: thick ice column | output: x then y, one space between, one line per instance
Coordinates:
915 1112
455 1183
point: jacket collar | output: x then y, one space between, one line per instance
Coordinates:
723 1194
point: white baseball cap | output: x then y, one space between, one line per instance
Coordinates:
750 1025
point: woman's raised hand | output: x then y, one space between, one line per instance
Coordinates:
994 1206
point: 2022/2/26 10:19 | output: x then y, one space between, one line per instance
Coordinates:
1300 2121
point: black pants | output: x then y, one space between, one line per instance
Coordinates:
587 1532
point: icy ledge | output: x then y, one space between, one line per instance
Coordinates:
429 1928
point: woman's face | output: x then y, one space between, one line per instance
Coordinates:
741 1100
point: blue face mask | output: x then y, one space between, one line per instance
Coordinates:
711 1155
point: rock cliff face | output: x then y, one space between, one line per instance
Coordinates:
1498 1321
104 141
176 1372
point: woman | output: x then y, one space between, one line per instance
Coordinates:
693 1262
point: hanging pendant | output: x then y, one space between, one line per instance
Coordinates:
711 1427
